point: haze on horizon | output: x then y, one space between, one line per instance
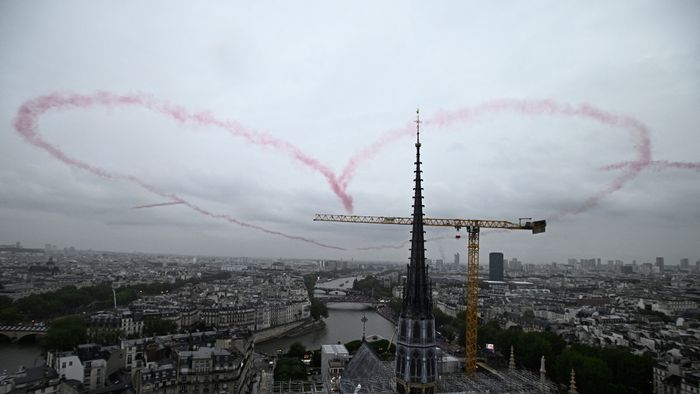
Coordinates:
331 79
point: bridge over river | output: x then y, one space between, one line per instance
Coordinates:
353 298
17 332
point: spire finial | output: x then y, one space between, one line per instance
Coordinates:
572 383
511 362
418 122
542 368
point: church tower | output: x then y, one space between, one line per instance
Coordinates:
416 358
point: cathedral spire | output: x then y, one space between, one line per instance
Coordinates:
417 302
416 359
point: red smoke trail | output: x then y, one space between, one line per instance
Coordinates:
637 130
33 109
160 204
58 101
401 245
26 126
656 165
371 151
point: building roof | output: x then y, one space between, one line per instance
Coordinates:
368 372
334 349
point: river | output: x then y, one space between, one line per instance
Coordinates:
12 355
342 325
340 283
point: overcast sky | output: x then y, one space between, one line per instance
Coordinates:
330 79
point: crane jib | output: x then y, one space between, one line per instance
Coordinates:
537 226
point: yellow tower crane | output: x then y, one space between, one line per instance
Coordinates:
473 227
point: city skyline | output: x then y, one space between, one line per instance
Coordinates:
331 95
484 257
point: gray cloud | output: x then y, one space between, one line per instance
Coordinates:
332 78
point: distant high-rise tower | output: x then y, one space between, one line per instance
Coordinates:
660 263
496 266
416 359
456 258
685 263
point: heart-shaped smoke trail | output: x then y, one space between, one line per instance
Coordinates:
32 110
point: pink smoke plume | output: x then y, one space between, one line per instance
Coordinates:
31 111
40 105
401 245
466 115
655 165
638 133
160 204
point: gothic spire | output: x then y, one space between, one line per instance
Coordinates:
417 302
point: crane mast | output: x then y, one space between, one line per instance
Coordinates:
473 227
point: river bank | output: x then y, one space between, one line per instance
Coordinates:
288 330
386 312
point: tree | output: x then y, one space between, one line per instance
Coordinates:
125 296
318 308
296 350
310 283
448 333
592 375
371 285
487 333
10 315
384 349
158 326
598 370
352 346
5 301
105 336
289 369
65 333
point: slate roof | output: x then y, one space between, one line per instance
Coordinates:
368 371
